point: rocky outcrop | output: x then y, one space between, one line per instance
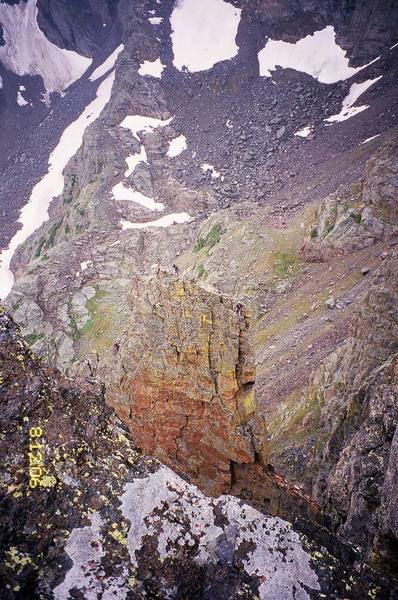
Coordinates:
80 26
357 392
360 216
92 518
184 380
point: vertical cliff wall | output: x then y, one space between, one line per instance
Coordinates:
184 380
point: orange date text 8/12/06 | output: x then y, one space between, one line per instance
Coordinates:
35 457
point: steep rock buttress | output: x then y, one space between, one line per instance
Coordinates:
183 380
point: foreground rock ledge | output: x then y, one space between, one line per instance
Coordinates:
109 523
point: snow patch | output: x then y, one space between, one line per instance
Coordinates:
85 264
203 33
35 212
1 82
229 124
137 123
134 159
122 193
176 146
153 68
155 20
107 65
348 110
206 167
20 99
165 221
317 55
369 139
27 51
305 132
267 546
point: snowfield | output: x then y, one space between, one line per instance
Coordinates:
134 159
305 132
176 146
138 123
203 33
27 51
348 110
107 65
207 167
317 55
165 221
153 68
122 193
35 212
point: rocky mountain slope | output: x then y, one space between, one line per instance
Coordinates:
91 517
220 254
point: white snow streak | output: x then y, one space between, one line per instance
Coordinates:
138 123
176 146
206 167
305 132
155 20
317 55
203 33
134 159
122 193
107 65
348 110
27 51
165 221
35 212
20 99
370 138
154 68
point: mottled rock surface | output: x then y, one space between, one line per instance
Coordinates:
184 379
104 521
362 216
355 394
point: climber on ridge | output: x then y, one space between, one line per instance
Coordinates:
239 309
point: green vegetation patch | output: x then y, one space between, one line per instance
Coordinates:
32 338
357 216
313 233
39 246
95 316
285 264
329 227
201 271
210 240
49 243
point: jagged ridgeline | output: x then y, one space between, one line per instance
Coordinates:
198 345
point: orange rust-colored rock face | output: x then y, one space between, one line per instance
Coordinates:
184 381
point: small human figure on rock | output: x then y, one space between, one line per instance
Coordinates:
239 309
176 269
116 346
